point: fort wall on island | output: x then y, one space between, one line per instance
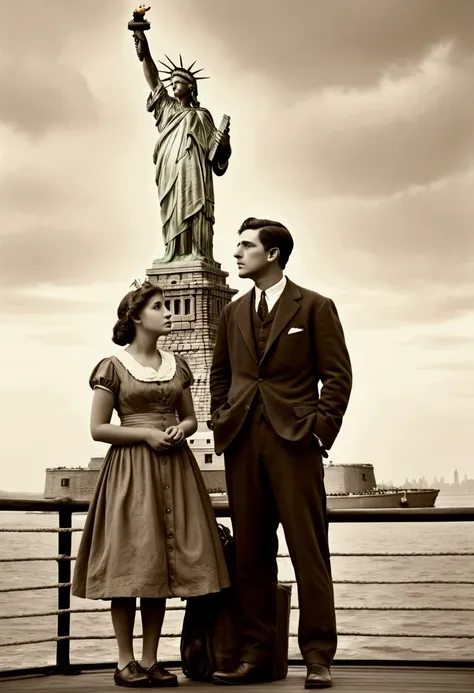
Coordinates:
79 482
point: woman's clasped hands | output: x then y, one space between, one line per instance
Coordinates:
162 440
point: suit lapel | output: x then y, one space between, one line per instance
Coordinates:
243 319
287 307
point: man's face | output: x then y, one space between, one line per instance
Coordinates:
252 258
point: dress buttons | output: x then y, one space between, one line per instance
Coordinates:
168 510
170 535
164 461
170 549
165 488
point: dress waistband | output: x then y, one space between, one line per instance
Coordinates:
150 419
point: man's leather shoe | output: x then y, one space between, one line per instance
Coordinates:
244 674
318 676
131 676
161 677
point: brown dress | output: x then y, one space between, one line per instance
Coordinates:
150 530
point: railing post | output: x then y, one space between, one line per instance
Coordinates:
64 593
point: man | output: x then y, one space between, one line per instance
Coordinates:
273 347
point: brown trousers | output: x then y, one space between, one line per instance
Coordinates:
270 480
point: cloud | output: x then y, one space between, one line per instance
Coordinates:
439 341
463 366
16 302
27 303
43 253
420 241
53 307
40 95
463 395
45 27
42 88
24 190
400 132
62 337
338 43
389 310
69 211
356 99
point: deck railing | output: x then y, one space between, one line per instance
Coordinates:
64 558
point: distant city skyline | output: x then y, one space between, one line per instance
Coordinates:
464 485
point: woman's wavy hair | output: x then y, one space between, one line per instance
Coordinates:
130 307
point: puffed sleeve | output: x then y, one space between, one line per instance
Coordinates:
105 376
185 373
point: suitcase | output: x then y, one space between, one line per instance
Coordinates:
209 637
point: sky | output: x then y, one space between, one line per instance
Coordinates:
351 122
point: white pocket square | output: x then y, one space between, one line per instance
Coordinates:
294 330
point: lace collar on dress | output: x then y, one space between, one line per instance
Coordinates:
147 374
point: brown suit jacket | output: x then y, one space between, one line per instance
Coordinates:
289 373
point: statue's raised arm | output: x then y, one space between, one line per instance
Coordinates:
189 150
150 70
139 25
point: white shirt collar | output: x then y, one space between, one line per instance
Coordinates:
272 294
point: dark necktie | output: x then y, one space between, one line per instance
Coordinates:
262 310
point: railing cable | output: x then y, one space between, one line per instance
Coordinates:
350 634
58 612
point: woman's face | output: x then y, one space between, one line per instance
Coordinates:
155 316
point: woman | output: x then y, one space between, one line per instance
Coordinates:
151 531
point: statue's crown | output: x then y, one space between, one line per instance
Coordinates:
187 73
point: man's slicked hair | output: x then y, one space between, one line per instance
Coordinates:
272 234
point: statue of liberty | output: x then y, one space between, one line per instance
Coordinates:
188 151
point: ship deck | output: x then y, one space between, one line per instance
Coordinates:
346 679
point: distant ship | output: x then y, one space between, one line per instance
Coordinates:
353 486
348 486
384 498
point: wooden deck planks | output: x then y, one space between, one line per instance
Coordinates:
346 679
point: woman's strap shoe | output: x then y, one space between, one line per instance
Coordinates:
131 676
161 678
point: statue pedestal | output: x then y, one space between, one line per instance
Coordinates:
196 293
